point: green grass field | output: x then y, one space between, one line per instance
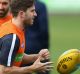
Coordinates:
64 34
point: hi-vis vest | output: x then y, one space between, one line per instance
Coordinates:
9 28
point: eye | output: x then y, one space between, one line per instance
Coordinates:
33 10
4 3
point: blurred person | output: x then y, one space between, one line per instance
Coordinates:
4 11
37 37
12 42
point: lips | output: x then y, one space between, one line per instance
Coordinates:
1 11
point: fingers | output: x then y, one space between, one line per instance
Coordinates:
47 68
46 54
48 63
47 57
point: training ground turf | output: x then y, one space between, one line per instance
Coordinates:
64 34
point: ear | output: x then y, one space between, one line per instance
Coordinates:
21 14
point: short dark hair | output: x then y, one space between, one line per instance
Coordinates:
17 5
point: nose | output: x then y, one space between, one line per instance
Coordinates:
1 6
35 14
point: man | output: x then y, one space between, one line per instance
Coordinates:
12 42
4 11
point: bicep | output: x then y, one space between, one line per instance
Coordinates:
8 49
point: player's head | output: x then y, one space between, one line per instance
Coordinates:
4 7
25 9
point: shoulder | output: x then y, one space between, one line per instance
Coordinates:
9 37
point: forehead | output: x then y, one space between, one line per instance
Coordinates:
32 7
1 1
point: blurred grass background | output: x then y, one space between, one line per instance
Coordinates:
64 32
64 27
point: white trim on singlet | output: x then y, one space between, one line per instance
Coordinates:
11 50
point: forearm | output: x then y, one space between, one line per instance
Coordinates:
29 58
16 70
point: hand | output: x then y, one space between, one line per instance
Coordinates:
45 54
42 67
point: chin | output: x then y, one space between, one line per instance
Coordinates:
31 23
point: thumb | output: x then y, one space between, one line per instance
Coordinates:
39 58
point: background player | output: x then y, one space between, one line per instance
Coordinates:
4 11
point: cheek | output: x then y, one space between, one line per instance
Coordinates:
6 6
28 17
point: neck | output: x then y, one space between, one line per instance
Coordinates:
16 21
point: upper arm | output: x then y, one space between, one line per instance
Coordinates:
8 48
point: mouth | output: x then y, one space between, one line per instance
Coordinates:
1 12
